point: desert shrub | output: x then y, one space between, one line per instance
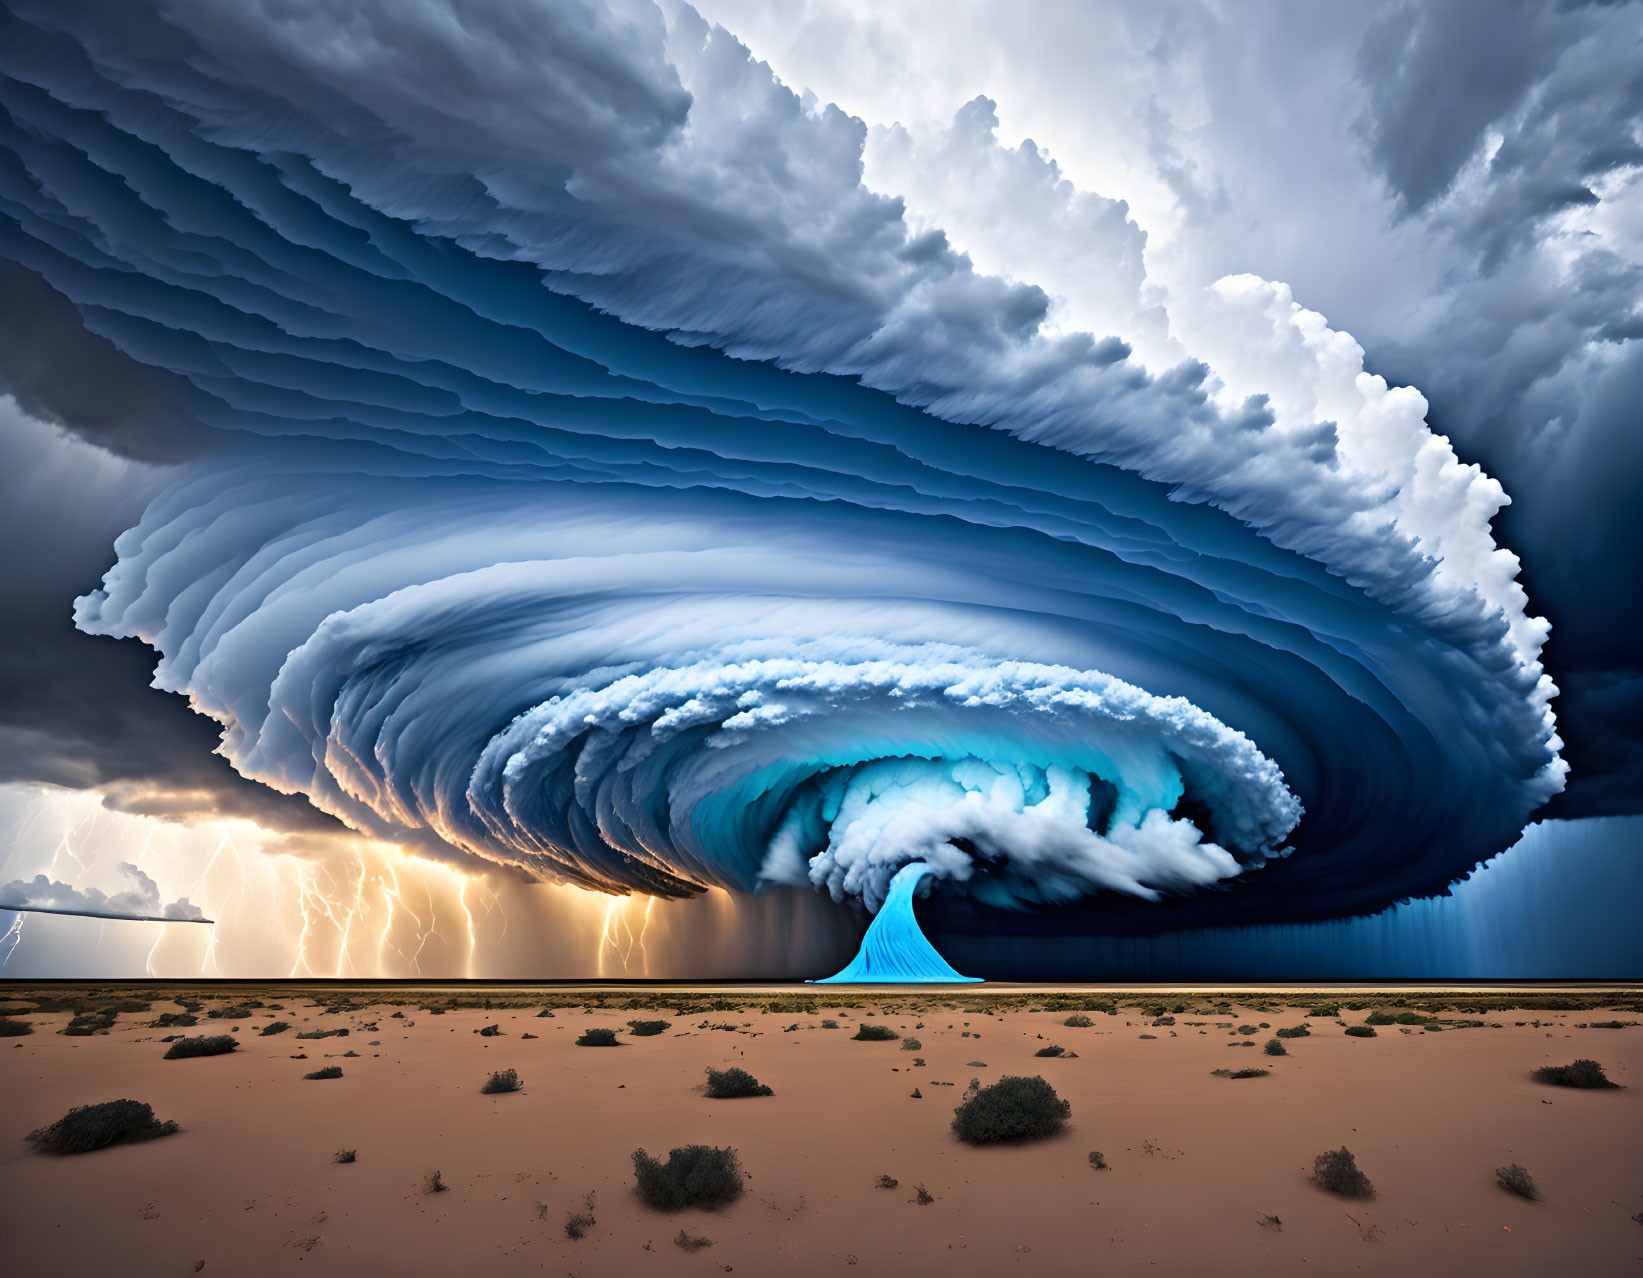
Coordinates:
647 1029
1610 1024
234 1011
728 1084
1516 1180
345 1155
1380 1018
1297 1031
887 1181
1360 1031
89 1127
1412 1018
1249 1073
504 1080
1078 1021
317 1033
273 1027
911 1045
1275 1048
874 1033
578 1223
1098 1160
1324 1011
329 1071
435 1183
13 1028
693 1176
1015 1108
1582 1073
922 1196
210 1045
1050 1049
87 1023
490 1031
691 1242
830 1025
166 1020
597 1038
1337 1171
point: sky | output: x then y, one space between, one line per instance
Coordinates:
1166 467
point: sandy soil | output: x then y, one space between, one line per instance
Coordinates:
250 1185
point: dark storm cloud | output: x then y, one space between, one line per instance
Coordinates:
76 710
1437 75
1561 87
61 372
1530 356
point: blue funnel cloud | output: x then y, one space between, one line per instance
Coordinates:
895 950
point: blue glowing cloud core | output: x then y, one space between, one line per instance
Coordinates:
895 950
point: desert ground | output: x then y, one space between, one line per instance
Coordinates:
1205 1174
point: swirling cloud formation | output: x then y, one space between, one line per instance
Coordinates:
604 482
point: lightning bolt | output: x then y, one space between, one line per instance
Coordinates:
611 906
644 926
388 880
14 934
208 960
617 927
467 914
428 931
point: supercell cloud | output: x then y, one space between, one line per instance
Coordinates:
598 479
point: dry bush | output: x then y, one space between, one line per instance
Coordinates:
1582 1073
733 1083
504 1080
693 1176
1516 1180
1015 1108
212 1045
1337 1171
89 1127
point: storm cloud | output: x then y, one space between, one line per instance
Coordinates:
578 467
